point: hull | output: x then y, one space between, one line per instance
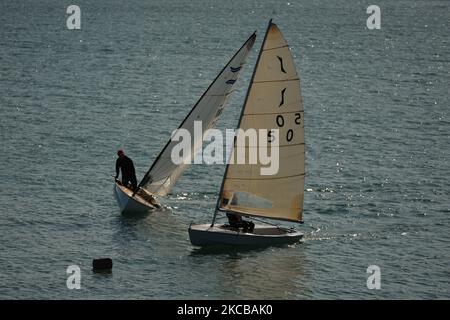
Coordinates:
129 204
205 235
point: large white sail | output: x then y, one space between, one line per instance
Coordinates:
273 102
164 173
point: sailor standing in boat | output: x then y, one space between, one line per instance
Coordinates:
126 165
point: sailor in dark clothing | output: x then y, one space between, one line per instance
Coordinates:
236 221
126 165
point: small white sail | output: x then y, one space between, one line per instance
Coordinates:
273 102
163 174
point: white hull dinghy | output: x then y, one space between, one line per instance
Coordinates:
164 173
273 101
141 202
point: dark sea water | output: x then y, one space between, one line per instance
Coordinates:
377 128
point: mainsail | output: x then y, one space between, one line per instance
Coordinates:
163 174
273 102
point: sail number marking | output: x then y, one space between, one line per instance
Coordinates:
270 136
280 123
280 120
298 118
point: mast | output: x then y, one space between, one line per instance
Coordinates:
240 119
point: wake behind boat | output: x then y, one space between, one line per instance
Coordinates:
164 173
273 101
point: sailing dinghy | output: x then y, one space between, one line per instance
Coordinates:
164 173
273 101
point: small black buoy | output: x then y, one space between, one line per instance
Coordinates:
102 264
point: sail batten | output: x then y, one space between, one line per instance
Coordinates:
163 174
268 177
273 101
286 46
280 145
270 113
284 80
251 214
